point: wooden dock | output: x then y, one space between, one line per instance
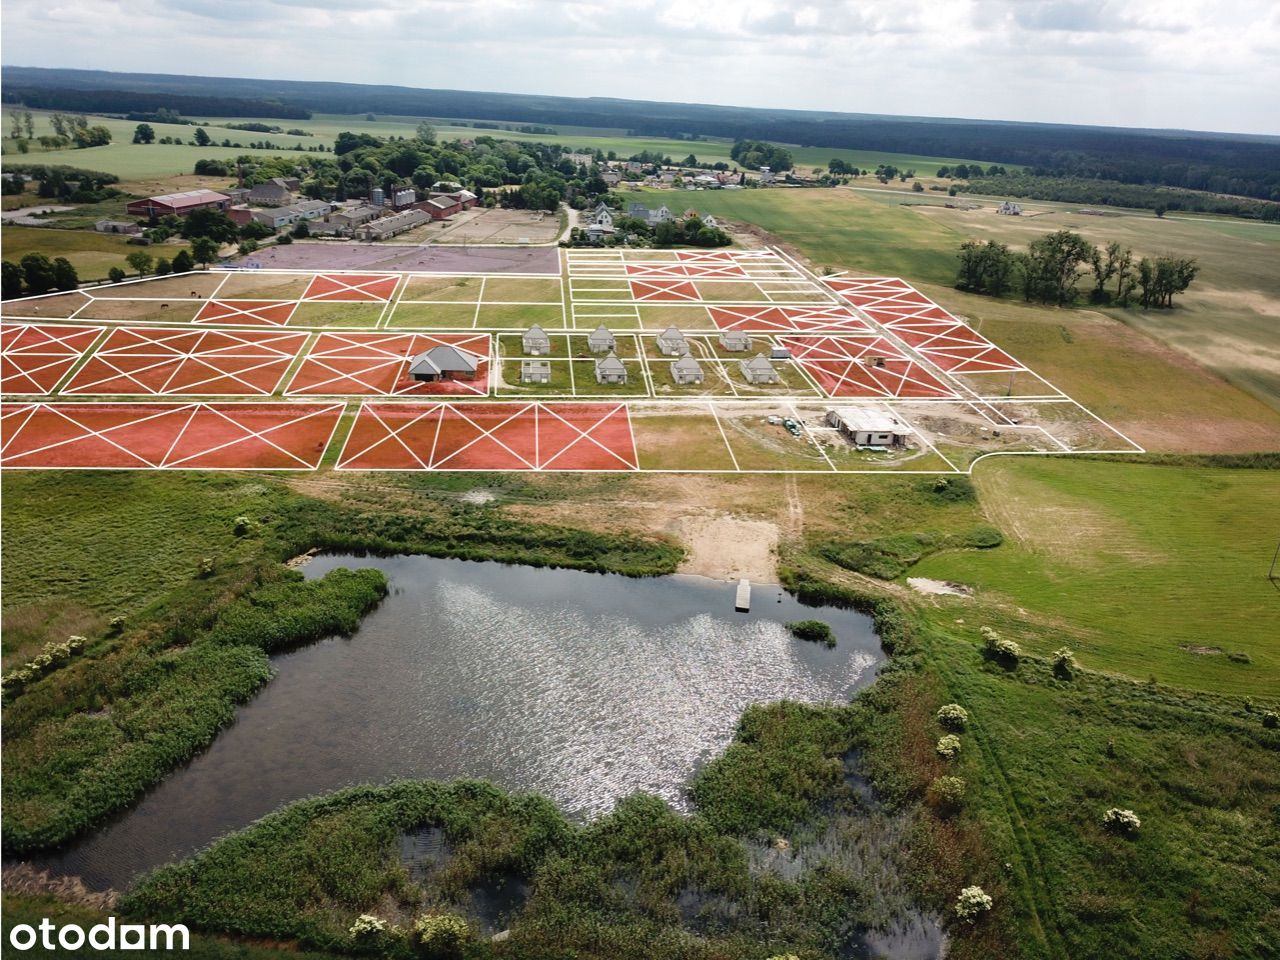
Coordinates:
743 601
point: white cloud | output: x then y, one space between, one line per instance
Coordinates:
1168 63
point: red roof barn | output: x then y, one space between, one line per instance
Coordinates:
177 204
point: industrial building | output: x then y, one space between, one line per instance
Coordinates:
177 204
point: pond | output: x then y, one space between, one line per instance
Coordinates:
582 687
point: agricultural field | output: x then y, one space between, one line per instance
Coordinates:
92 254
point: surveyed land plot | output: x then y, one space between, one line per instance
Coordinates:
772 369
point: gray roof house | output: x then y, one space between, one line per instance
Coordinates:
354 216
276 192
535 341
442 363
535 371
671 343
601 215
312 209
601 339
610 369
735 339
758 370
686 370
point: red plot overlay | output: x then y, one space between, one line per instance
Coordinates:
377 364
864 367
768 318
663 290
715 270
357 287
246 313
187 362
945 340
490 436
34 357
189 436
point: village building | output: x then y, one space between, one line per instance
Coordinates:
611 370
535 341
782 353
671 343
391 226
686 370
596 232
276 217
442 206
177 204
442 363
1009 209
601 340
869 426
117 226
535 371
311 209
601 215
758 370
736 340
276 192
352 217
611 179
651 217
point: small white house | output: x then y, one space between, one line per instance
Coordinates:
686 370
869 426
611 370
671 343
535 342
601 340
758 370
535 371
736 340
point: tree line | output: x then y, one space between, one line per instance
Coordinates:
1050 270
754 154
69 130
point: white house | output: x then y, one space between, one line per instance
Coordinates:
609 369
671 343
535 341
686 370
866 426
758 370
601 340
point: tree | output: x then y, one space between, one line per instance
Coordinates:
210 223
204 250
37 272
11 276
183 262
1105 264
301 230
163 267
95 136
141 261
426 132
144 133
64 274
115 274
28 124
202 138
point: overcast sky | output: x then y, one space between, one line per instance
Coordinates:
1149 63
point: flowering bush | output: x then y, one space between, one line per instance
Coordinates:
368 929
1271 720
1121 821
53 655
949 746
953 716
440 936
1064 662
947 793
972 903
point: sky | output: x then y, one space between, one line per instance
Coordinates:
1139 63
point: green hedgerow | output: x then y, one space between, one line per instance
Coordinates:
948 747
953 716
972 903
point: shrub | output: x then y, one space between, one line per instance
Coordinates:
242 526
1121 821
1271 720
53 655
440 936
998 648
116 624
284 240
814 630
369 932
947 793
972 903
205 567
116 275
948 746
953 716
1064 662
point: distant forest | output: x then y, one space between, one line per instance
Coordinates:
1233 164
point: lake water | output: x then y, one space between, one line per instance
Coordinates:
582 687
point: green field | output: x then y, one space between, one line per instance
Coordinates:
92 254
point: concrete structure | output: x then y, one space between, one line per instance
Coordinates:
736 340
312 209
535 371
686 370
353 217
758 370
869 426
276 192
535 342
610 369
601 340
178 204
393 225
779 353
276 217
403 198
742 596
1009 209
671 343
442 363
117 226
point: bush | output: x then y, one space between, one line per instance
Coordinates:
972 903
948 746
440 936
115 275
953 716
284 240
998 648
1064 663
1271 720
947 793
814 630
369 932
1121 821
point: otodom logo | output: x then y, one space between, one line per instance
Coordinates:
101 936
